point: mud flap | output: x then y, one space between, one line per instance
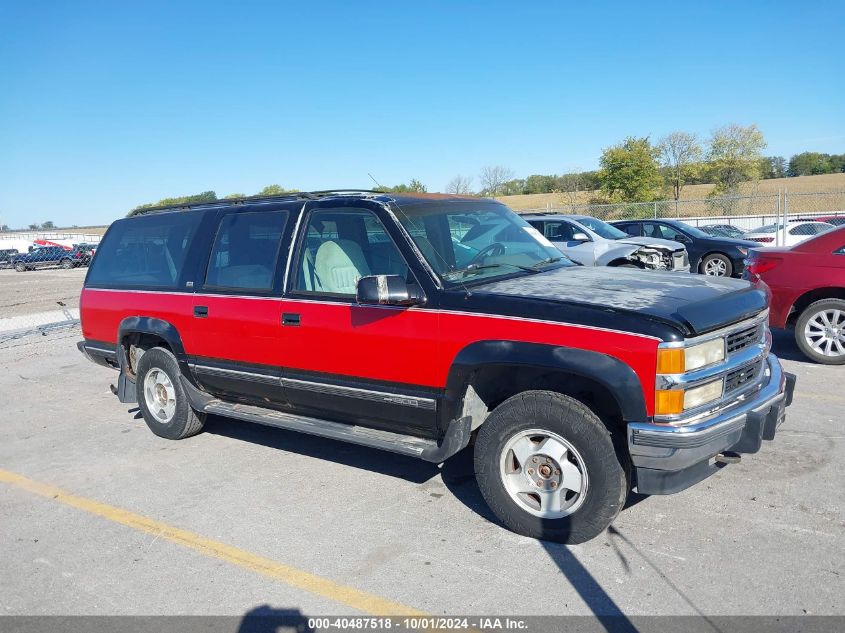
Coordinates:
125 390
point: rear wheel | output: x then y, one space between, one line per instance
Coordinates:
547 467
162 399
717 265
20 267
66 264
820 331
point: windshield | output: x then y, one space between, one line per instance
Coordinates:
471 241
603 229
692 230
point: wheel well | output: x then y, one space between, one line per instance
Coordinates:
624 260
134 344
811 297
494 384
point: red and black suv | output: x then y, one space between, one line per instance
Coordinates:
417 324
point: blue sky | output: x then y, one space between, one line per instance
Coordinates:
106 105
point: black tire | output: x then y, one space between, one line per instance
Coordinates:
20 267
811 312
66 264
184 421
607 479
717 261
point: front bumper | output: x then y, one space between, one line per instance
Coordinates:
668 459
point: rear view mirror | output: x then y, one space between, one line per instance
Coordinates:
390 290
580 237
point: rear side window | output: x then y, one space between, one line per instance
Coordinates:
144 252
246 250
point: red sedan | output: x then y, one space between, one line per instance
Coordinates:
808 292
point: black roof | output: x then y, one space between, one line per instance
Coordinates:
399 198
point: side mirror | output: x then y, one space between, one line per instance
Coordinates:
388 290
580 237
683 239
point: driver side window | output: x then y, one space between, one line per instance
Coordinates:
340 247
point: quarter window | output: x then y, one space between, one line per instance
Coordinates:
340 247
246 250
147 251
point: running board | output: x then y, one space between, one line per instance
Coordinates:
456 438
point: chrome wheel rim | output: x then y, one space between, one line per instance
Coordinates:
715 267
159 395
824 332
543 474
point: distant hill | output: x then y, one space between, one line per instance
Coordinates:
798 184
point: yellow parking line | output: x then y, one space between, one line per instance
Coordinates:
360 600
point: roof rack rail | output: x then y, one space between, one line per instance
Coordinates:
294 195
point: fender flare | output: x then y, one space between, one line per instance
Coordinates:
611 373
157 327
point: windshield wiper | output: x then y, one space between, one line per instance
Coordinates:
545 262
472 268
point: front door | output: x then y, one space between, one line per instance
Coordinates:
367 365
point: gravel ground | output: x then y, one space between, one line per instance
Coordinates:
38 290
766 536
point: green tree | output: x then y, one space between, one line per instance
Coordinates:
772 167
629 171
234 196
48 225
4 227
734 157
680 153
415 186
810 164
275 190
205 196
34 227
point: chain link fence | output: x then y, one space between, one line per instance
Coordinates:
743 212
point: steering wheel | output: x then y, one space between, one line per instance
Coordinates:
495 249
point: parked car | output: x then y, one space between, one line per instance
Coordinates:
7 255
787 235
591 242
49 256
807 282
357 316
722 230
714 256
833 220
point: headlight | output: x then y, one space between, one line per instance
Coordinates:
676 401
677 360
698 396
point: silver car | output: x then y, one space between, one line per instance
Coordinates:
591 242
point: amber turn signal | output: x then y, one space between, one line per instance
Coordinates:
670 360
668 402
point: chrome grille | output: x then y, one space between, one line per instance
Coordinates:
742 377
738 341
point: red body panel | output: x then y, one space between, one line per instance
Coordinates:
414 346
808 266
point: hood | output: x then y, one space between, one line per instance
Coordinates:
650 241
696 304
729 241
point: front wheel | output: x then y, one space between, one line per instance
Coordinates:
820 331
717 265
20 268
547 467
162 398
66 264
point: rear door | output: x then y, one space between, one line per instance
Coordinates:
366 365
237 333
562 234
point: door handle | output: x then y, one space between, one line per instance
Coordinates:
200 312
290 318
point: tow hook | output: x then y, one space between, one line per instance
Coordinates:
728 458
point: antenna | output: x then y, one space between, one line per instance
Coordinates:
378 184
